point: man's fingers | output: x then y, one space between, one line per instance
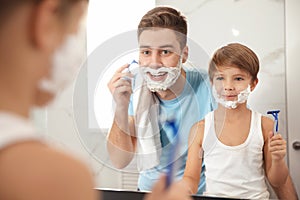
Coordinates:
118 76
119 70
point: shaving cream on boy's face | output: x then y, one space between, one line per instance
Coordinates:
242 98
162 78
66 62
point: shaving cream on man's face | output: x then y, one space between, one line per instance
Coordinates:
242 98
156 80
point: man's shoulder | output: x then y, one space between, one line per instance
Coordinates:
196 75
198 79
196 71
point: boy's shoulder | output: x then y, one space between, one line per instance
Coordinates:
33 169
267 125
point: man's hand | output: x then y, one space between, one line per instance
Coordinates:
120 87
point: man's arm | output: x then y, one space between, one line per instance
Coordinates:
121 144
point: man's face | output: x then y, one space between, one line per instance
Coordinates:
159 47
160 58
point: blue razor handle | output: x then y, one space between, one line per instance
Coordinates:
128 70
133 62
274 113
170 167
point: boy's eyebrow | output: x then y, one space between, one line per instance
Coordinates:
240 75
217 74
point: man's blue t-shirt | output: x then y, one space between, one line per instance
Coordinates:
190 106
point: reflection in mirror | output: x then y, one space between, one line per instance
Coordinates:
213 24
258 24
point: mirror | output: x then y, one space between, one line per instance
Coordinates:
258 24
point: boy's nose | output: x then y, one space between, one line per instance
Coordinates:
228 86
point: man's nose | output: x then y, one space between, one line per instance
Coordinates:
155 60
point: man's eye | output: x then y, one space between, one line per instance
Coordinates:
164 52
145 52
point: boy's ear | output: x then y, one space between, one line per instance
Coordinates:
253 85
185 54
45 29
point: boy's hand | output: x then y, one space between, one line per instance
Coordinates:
277 147
174 192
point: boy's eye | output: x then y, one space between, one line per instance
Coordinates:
239 78
219 78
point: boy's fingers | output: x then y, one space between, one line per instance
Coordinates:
271 134
160 185
278 142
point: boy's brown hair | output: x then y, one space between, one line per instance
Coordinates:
7 6
235 55
165 17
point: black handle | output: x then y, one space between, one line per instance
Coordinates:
296 145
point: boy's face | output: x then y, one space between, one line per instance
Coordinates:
230 81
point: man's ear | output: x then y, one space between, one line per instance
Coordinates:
185 54
253 85
46 32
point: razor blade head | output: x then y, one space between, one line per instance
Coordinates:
273 112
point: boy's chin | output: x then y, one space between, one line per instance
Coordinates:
43 98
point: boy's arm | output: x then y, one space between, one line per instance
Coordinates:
191 177
286 191
274 153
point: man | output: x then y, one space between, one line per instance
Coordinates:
167 90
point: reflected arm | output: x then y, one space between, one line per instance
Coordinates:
121 144
191 177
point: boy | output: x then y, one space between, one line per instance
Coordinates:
238 144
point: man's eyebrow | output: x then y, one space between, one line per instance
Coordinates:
159 47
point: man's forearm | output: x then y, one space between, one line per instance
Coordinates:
120 145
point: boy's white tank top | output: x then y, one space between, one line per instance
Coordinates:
235 171
15 129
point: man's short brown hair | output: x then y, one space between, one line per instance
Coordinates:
165 17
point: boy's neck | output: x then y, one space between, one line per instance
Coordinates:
232 114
